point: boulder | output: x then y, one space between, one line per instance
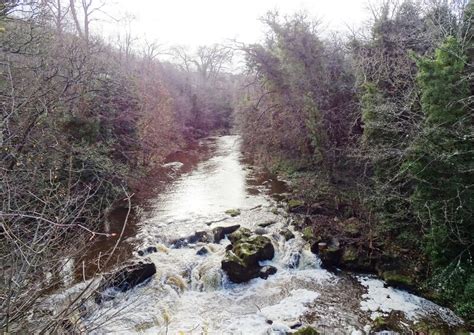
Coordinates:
267 271
239 234
199 236
220 232
125 279
241 261
330 257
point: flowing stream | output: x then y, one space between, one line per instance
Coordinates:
189 294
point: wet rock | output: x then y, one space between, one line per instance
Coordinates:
147 251
287 234
306 331
125 279
296 325
399 279
330 257
233 212
241 261
199 236
267 223
254 249
267 271
261 231
203 251
239 234
220 232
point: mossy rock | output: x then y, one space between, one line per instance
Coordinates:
397 279
308 234
233 212
241 262
294 204
306 331
254 249
239 234
331 257
287 234
391 322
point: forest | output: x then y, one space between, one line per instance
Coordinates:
374 128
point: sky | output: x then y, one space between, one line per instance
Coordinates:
201 22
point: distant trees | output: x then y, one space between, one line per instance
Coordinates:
205 84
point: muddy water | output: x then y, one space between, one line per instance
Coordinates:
189 294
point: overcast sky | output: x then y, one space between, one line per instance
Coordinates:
198 22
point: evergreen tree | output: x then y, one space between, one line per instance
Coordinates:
442 166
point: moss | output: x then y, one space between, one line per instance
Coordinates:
308 234
306 331
233 212
294 203
239 234
397 279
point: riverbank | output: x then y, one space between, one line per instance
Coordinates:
346 238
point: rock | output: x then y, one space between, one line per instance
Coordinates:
260 231
147 251
241 261
287 234
308 234
233 212
203 251
239 234
220 232
330 257
266 271
295 206
254 249
267 223
125 279
296 325
306 331
199 236
399 280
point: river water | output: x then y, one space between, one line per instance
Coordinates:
189 294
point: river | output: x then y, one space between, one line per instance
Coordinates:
189 294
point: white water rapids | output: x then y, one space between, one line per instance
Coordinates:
190 295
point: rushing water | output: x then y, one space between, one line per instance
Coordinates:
189 293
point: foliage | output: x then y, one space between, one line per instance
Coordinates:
442 166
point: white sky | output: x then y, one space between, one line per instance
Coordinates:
198 22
